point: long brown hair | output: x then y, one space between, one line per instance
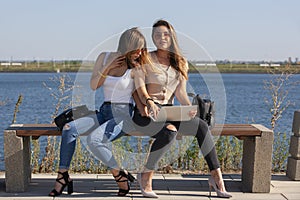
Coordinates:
130 41
177 60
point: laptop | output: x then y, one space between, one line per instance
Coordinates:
174 113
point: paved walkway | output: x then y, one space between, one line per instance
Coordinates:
168 186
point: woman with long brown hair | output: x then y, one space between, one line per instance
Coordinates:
156 87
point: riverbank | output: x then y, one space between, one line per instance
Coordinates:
85 66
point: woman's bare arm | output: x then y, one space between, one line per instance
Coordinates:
100 71
96 79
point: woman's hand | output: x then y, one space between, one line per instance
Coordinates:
144 111
153 110
193 113
117 62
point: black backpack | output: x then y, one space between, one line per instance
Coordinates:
206 109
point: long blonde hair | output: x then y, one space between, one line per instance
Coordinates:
177 60
130 41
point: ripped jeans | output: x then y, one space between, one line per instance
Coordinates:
105 122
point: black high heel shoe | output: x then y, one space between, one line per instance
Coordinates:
129 177
65 177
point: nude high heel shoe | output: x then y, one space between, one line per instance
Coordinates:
212 183
144 193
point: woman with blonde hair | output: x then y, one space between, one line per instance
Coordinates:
113 71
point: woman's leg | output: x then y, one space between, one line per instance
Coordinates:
163 141
207 146
164 134
117 117
198 128
70 133
217 176
67 148
99 143
122 178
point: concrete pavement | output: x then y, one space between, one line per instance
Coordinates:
167 186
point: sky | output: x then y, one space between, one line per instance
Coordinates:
255 30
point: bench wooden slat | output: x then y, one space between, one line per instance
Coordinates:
237 130
37 130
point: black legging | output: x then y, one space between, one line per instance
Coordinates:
165 137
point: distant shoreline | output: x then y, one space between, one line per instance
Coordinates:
75 66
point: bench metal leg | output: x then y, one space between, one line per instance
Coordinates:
17 162
257 162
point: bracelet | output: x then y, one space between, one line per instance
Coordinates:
102 75
149 99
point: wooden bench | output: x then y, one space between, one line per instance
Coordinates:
256 161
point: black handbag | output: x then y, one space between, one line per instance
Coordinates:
72 114
206 109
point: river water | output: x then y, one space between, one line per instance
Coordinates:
239 98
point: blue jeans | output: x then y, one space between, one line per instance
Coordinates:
95 127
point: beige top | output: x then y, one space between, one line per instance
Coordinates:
161 82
